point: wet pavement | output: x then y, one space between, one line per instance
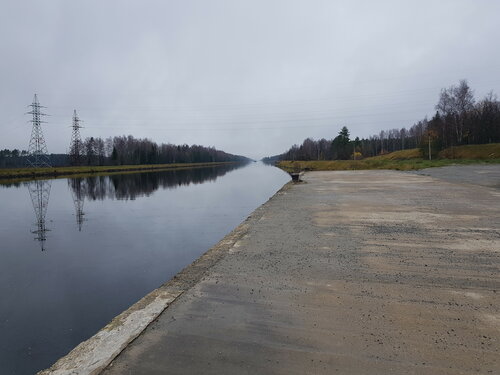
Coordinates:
362 272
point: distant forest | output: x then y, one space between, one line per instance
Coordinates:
459 120
125 150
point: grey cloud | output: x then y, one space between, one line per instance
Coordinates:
249 77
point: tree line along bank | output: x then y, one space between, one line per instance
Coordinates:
459 120
125 150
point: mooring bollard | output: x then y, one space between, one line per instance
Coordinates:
295 176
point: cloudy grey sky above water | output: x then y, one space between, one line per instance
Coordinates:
249 77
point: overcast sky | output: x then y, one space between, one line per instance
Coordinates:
249 77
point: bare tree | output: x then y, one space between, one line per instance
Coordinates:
456 103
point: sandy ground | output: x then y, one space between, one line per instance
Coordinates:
363 272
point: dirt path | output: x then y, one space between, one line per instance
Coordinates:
368 272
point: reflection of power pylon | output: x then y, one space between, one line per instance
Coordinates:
76 146
40 193
77 191
37 151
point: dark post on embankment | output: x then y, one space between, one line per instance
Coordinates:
295 176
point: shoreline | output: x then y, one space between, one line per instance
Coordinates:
25 174
398 275
93 355
328 275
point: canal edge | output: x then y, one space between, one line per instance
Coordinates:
93 355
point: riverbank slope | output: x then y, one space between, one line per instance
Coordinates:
405 160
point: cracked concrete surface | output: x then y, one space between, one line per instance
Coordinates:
351 272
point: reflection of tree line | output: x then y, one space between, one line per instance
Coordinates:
130 186
119 186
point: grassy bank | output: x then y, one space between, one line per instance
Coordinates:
400 165
32 173
403 160
487 151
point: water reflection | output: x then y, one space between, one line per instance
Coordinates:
133 185
119 186
51 301
40 194
77 192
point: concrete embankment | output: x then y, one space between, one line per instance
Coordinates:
363 272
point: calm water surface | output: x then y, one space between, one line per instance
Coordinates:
74 253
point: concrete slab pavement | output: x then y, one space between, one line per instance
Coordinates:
362 272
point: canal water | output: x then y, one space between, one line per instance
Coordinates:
74 253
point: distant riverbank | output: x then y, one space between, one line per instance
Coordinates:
24 174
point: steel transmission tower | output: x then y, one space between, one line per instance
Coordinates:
40 193
37 150
76 146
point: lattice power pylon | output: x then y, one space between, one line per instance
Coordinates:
40 193
76 146
37 150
